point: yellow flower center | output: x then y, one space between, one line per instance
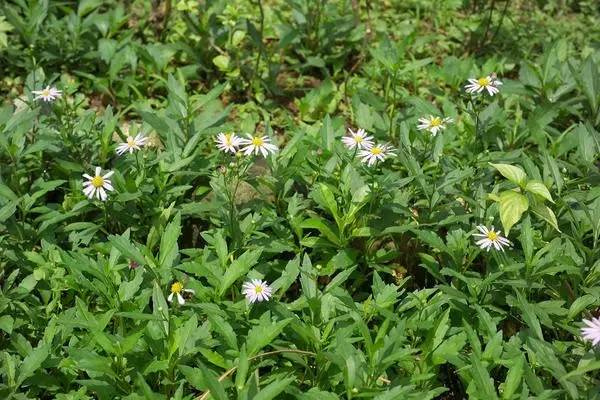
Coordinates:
97 181
437 121
177 287
258 289
45 92
130 141
492 235
228 139
376 151
257 141
358 139
484 81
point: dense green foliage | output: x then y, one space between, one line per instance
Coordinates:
380 290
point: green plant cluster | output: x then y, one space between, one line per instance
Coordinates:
380 289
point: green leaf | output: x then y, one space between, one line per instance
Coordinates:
238 268
325 198
168 242
6 323
325 228
591 82
32 363
513 378
482 379
529 316
288 276
127 249
273 389
583 369
222 62
538 187
242 369
160 308
512 205
128 289
8 210
263 334
436 335
514 174
223 328
545 213
526 239
449 349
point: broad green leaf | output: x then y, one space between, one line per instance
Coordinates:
288 276
513 378
168 242
263 334
529 316
538 188
7 323
325 228
511 205
514 174
591 82
222 62
449 349
273 389
128 289
544 212
32 362
8 210
325 198
238 268
127 249
482 379
583 368
242 369
223 328
437 334
160 308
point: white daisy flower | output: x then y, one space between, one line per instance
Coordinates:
228 142
375 153
433 124
489 83
255 144
177 290
490 238
97 185
257 290
47 94
358 139
592 330
132 143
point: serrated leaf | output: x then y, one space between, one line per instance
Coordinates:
513 378
168 242
127 249
263 334
482 379
32 363
238 268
